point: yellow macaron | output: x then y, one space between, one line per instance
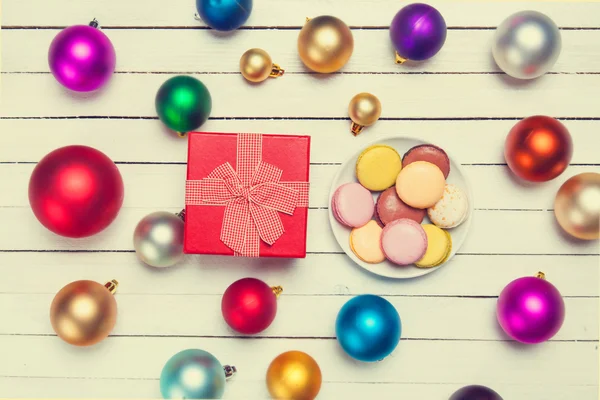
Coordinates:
378 167
365 242
439 247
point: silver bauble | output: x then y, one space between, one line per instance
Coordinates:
158 239
526 45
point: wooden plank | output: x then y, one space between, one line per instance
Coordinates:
331 142
141 181
491 232
142 358
318 274
415 96
465 51
272 13
297 317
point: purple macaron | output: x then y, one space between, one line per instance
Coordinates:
403 241
352 205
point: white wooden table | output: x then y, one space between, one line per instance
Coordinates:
458 100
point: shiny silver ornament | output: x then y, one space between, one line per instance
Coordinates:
158 239
526 45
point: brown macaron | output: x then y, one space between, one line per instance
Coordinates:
390 208
429 153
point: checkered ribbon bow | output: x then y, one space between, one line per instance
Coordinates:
253 196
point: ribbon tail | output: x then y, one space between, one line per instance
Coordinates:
268 223
236 223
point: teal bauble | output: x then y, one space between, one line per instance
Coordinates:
183 103
368 328
192 374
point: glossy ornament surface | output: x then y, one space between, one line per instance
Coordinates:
84 312
577 206
368 328
76 191
526 45
158 239
256 65
249 305
418 32
82 58
530 309
538 148
183 103
325 44
194 374
224 15
475 392
364 110
294 375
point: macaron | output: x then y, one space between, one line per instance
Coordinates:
352 205
403 241
377 167
365 242
429 153
439 247
451 210
420 184
389 208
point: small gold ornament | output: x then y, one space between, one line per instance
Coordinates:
364 110
294 375
256 66
577 206
325 44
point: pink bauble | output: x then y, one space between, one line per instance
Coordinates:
82 58
530 310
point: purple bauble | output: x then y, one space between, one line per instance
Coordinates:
530 310
418 32
82 58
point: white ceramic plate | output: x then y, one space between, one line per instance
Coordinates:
388 269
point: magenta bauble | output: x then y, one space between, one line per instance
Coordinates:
82 58
530 309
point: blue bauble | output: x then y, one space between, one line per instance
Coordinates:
192 374
224 15
368 328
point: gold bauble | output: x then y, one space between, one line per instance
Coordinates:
364 110
294 375
577 206
256 66
84 312
325 44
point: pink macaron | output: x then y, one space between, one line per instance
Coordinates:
352 205
403 241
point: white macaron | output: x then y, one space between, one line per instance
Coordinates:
451 210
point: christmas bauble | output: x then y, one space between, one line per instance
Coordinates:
530 309
526 45
256 65
418 32
194 374
183 103
82 58
249 305
368 328
84 312
325 44
475 392
364 110
224 15
538 148
577 206
76 191
158 239
294 375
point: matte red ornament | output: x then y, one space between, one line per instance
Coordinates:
249 305
538 148
76 191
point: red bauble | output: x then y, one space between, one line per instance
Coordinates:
76 191
538 148
249 305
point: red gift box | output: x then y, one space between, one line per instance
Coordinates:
247 194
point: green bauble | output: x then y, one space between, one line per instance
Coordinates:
183 103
